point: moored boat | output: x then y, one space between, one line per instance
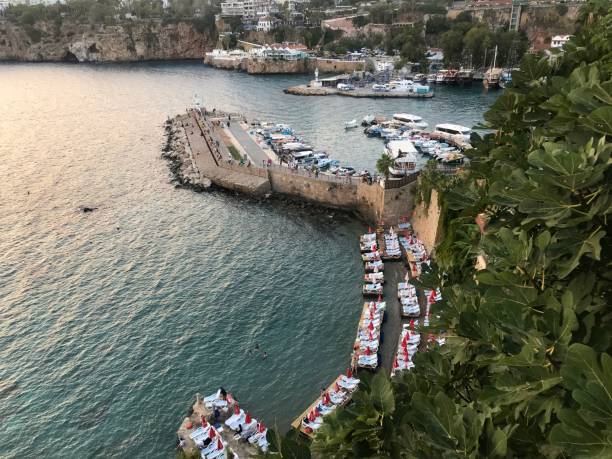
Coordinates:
351 124
465 77
372 289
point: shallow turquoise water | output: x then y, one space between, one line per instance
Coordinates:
111 321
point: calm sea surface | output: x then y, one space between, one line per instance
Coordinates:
111 321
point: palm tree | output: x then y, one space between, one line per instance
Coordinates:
383 164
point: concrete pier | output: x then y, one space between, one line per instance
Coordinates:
304 90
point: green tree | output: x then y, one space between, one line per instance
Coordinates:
526 370
452 45
384 163
475 42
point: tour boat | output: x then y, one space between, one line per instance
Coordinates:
465 76
450 77
441 76
431 78
420 77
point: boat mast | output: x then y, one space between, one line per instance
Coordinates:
494 57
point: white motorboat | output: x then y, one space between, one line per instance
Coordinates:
413 121
453 130
351 124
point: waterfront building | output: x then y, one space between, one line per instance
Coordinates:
559 40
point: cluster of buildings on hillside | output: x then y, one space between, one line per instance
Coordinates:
264 15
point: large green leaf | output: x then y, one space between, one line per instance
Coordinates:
600 120
576 436
382 393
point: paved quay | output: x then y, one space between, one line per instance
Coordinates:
254 151
394 274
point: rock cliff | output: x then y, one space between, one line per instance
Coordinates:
83 42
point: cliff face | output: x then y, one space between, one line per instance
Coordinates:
124 42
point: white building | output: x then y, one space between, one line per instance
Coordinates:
265 24
559 40
248 9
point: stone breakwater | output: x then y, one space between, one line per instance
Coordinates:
183 169
208 143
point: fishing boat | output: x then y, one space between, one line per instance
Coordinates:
372 289
410 120
351 124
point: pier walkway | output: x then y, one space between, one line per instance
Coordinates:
254 151
215 164
392 328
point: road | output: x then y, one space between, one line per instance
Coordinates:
254 151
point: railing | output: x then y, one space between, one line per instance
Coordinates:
393 183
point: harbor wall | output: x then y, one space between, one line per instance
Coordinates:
372 202
337 66
259 66
426 221
268 66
